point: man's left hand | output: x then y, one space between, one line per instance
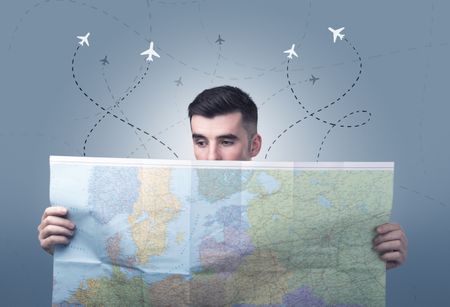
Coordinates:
391 244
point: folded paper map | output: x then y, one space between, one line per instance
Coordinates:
220 233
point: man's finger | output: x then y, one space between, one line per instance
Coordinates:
390 236
49 243
389 246
56 220
382 229
392 256
52 230
58 211
392 264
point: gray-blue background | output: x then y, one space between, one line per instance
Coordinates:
404 84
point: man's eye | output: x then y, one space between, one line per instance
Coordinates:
227 143
200 143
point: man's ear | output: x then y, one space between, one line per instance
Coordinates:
255 145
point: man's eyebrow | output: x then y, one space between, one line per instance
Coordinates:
224 136
227 136
197 136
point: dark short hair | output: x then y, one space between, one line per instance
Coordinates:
223 100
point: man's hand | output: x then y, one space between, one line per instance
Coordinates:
55 228
391 244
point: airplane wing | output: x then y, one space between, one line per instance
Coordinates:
290 51
150 52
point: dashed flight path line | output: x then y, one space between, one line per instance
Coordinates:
262 70
425 196
142 143
216 66
313 114
307 23
112 114
132 30
116 105
343 126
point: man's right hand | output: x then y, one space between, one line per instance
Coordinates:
55 228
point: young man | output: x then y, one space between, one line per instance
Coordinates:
224 127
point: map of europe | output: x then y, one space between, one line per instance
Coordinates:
220 233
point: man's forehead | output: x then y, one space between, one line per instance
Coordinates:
217 125
226 121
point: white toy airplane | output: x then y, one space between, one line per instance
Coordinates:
150 52
84 39
291 52
337 33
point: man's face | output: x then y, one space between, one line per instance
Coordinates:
223 137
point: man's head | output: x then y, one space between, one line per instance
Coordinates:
224 123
